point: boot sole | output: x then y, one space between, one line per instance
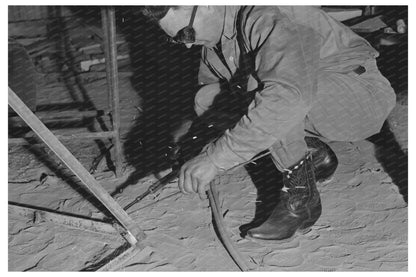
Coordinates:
297 233
325 181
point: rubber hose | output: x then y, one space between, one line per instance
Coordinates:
219 221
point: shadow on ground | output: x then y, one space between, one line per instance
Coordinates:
165 78
393 159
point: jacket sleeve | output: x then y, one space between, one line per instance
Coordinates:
285 64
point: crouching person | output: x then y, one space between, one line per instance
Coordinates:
318 79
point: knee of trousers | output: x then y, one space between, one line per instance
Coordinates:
384 101
351 108
204 97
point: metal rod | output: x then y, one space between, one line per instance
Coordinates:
109 25
33 139
38 214
75 166
153 188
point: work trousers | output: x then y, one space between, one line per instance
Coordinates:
348 106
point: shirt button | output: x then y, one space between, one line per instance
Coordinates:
231 58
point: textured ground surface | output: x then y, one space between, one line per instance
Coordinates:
363 225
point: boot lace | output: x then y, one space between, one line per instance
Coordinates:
295 184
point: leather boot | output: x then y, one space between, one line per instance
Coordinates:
299 206
324 159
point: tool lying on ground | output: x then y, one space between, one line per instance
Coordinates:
154 188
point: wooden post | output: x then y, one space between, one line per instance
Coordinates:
135 233
110 49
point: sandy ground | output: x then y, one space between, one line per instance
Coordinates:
363 226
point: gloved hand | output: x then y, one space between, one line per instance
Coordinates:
196 174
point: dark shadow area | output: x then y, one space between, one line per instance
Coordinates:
268 182
112 256
22 75
18 128
393 59
393 159
165 78
59 107
393 64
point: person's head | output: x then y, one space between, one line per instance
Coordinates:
207 22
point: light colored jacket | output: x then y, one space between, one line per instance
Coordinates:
291 45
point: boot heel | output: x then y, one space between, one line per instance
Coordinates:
324 159
325 181
304 231
307 226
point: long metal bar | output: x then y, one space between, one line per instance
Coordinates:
133 230
38 214
109 26
32 139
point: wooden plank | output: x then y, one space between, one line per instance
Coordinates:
109 27
33 139
76 167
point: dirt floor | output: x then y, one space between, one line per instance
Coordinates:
363 226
